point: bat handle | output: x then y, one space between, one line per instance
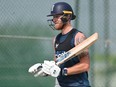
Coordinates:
39 73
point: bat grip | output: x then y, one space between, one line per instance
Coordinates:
39 73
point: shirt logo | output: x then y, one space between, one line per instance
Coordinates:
62 56
57 45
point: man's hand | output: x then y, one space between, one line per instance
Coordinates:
49 67
35 69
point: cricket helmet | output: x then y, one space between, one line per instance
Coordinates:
61 8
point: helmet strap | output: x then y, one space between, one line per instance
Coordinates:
65 18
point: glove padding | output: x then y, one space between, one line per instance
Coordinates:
36 70
49 67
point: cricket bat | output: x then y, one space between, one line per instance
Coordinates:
75 51
78 49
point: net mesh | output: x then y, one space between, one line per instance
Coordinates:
26 38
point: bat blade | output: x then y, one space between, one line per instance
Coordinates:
78 49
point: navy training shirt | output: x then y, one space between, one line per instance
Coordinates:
64 43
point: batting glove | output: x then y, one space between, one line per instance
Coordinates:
49 67
36 70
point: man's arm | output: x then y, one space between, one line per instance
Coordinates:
84 63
